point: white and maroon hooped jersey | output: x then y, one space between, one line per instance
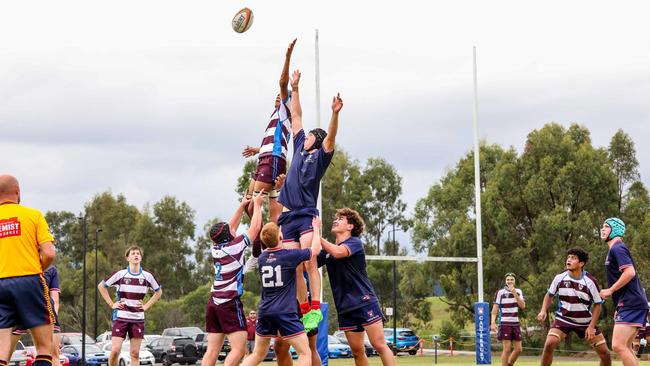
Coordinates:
576 295
228 269
277 133
131 289
508 308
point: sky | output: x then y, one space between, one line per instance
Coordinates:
155 98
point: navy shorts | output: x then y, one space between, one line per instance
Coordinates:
631 317
294 226
357 319
25 302
286 325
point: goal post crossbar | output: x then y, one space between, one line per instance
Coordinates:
420 259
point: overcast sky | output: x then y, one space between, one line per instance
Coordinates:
151 98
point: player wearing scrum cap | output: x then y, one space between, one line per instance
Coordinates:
312 155
577 291
625 289
507 302
224 314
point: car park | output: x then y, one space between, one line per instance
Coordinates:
171 350
337 349
370 350
94 355
124 358
406 340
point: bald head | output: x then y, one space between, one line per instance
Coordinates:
9 188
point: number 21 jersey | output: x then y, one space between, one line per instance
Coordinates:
278 274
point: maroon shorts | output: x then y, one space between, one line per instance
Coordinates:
509 333
225 318
643 332
268 168
122 328
566 329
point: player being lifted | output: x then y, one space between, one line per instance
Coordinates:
224 313
276 312
577 291
132 283
625 289
507 302
272 161
312 155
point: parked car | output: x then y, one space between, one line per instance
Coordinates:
31 355
407 341
336 348
94 355
19 357
370 350
182 332
148 338
200 339
74 338
124 359
170 350
103 338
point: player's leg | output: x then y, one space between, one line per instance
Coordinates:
56 347
300 343
376 337
505 352
116 348
313 346
15 337
237 344
279 175
5 345
134 352
516 345
36 314
552 340
215 342
282 353
356 342
260 350
622 343
42 336
599 344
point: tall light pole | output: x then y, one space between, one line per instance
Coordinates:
84 229
97 231
394 287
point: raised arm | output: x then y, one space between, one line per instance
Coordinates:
284 77
236 217
336 251
256 220
296 109
332 129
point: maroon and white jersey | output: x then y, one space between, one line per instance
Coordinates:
228 262
508 308
575 295
131 289
277 133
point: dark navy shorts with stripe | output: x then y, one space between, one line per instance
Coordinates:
357 319
631 317
25 302
294 226
285 325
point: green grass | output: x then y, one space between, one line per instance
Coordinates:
466 360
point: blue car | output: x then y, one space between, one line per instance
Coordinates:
337 349
94 355
406 340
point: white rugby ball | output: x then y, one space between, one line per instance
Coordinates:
242 20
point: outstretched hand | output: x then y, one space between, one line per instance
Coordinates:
295 79
316 222
259 199
290 48
279 181
250 151
337 103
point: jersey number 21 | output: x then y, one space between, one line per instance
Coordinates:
272 276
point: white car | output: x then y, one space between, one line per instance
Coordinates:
124 359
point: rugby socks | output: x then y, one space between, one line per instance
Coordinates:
305 308
42 360
3 363
315 305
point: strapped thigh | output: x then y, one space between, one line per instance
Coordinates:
556 333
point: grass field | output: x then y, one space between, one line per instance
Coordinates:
464 360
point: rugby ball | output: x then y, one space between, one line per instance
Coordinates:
242 20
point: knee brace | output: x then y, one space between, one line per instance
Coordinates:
274 194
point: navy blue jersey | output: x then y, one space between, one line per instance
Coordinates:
351 287
632 295
278 273
52 278
300 189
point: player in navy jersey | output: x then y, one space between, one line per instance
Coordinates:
51 276
272 162
356 303
224 313
507 302
579 307
132 284
625 289
312 155
276 312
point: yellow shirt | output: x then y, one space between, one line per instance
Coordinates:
22 230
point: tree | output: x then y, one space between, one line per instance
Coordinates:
622 155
